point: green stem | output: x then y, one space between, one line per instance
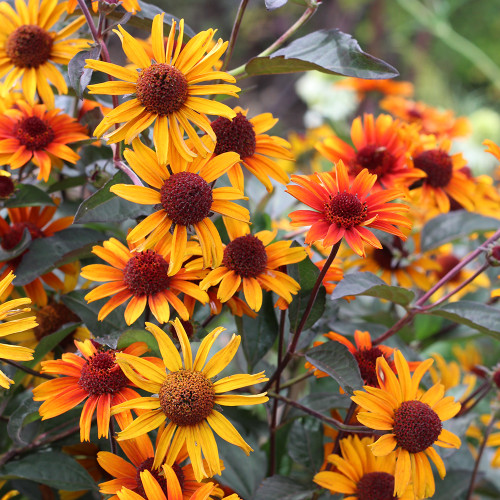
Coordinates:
234 33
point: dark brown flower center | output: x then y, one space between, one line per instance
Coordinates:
438 166
52 317
375 158
7 187
187 397
496 378
146 273
160 479
15 234
245 256
416 426
345 210
101 375
367 359
34 133
446 264
29 46
376 486
162 89
235 135
188 328
187 198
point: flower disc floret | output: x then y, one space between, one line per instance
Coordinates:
146 273
34 133
246 256
345 210
447 263
438 166
51 318
236 135
101 375
162 89
29 46
7 186
416 426
367 359
187 397
376 486
16 231
187 198
377 159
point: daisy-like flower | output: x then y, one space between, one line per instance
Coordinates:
256 149
377 147
185 199
251 263
360 475
95 377
445 176
129 5
140 454
33 133
186 396
7 186
344 210
385 87
37 221
153 487
166 90
413 420
11 324
29 49
141 277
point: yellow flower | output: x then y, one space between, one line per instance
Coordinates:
186 396
413 422
9 311
166 90
28 49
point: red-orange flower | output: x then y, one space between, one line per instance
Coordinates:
377 147
95 377
344 210
387 87
37 221
31 132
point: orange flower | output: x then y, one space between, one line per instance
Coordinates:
387 87
36 221
377 147
256 149
344 210
129 5
95 377
31 132
143 278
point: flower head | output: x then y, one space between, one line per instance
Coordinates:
413 420
344 210
95 377
184 199
246 137
33 133
29 49
186 396
166 90
13 322
143 278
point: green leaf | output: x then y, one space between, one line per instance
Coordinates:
6 255
57 470
46 254
67 183
275 4
46 345
283 488
134 335
328 51
27 195
79 76
483 318
372 286
25 413
88 313
104 206
305 443
143 19
306 274
335 359
258 334
453 226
